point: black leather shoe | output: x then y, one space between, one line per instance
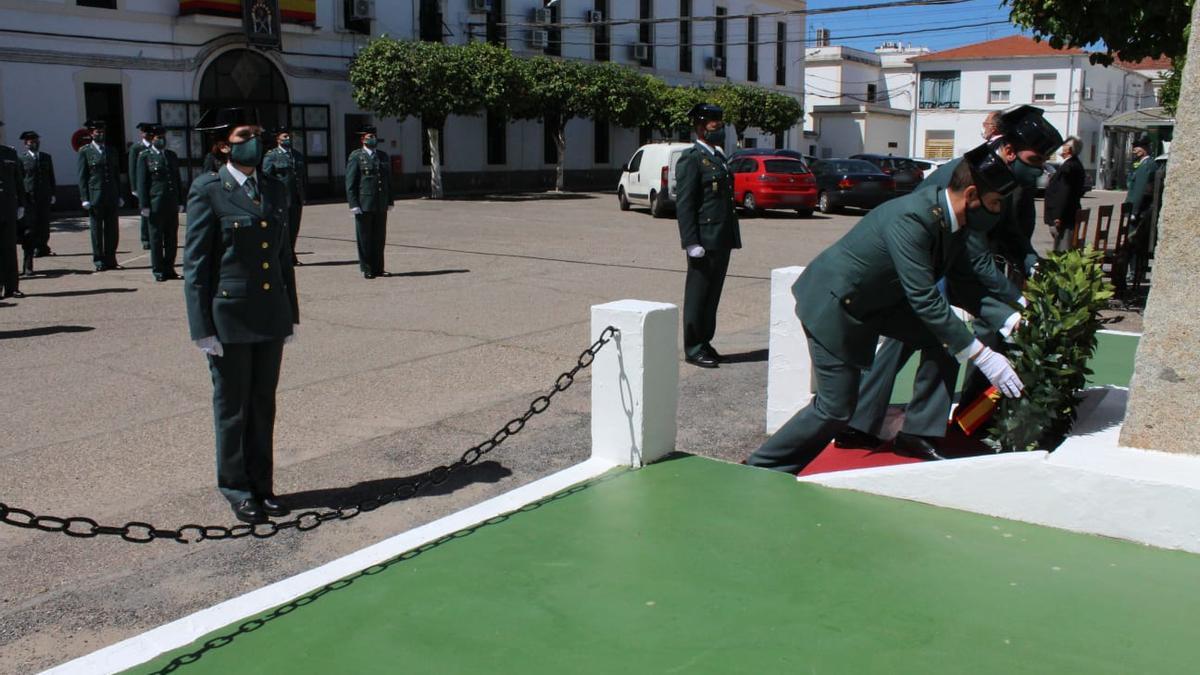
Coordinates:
716 356
911 445
368 275
249 511
853 438
703 360
14 294
160 277
43 252
273 508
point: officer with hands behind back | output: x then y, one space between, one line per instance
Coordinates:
240 289
159 193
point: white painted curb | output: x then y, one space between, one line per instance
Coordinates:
789 366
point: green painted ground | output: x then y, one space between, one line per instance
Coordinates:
1112 364
696 566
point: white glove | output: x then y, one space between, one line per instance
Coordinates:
1010 326
20 212
182 209
998 371
209 345
356 211
120 202
695 251
1023 301
53 200
145 213
86 205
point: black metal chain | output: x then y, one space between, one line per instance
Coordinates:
144 533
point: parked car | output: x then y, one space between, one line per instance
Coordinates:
928 165
768 152
773 182
851 182
648 178
902 169
1050 169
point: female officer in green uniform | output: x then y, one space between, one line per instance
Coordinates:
240 289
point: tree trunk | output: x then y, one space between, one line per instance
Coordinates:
560 142
435 163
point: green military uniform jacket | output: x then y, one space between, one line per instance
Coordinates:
1139 194
290 167
1005 237
704 205
239 282
135 152
12 184
39 178
369 181
159 187
882 272
99 176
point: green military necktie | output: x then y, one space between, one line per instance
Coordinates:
251 187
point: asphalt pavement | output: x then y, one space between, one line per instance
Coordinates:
107 405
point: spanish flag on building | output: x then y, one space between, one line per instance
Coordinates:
290 11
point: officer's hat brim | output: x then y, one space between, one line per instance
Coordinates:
29 135
145 126
216 119
706 112
93 125
363 131
156 129
1026 128
1142 142
989 171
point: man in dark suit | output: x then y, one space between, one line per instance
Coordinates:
40 188
99 190
708 231
135 151
880 279
12 209
288 165
1063 192
369 193
160 191
242 306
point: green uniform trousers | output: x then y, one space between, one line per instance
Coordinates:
295 211
701 296
102 220
244 382
164 241
371 232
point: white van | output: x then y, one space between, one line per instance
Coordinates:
648 179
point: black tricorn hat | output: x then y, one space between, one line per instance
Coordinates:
989 171
95 124
1026 128
704 112
281 129
215 119
29 135
145 126
156 129
1142 141
367 129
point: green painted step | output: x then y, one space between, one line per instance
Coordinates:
697 566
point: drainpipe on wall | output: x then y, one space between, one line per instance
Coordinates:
1071 93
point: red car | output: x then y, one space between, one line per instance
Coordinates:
773 182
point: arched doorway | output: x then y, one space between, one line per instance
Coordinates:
245 78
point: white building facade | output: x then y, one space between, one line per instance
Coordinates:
957 88
131 61
858 101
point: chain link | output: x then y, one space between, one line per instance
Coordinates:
144 533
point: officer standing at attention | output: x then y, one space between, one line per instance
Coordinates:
1140 198
288 165
135 151
99 187
12 200
1024 141
240 289
708 230
159 193
40 187
880 279
369 193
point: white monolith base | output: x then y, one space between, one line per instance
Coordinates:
635 382
789 371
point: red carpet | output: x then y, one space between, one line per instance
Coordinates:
842 459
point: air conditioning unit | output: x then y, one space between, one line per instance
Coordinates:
539 39
541 16
1087 93
362 10
480 6
594 16
716 64
641 51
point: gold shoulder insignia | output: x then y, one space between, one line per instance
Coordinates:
936 211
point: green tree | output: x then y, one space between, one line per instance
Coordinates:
670 105
1131 31
431 81
743 105
779 113
553 91
619 95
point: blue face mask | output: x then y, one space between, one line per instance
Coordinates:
246 153
715 138
371 142
980 219
158 143
1026 174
